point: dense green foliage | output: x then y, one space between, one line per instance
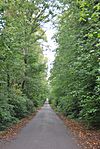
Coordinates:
75 80
22 64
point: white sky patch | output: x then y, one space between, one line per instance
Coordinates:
50 29
49 46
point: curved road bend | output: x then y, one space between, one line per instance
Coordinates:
45 131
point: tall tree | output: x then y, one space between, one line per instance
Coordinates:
23 67
75 75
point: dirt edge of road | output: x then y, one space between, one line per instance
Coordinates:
87 139
12 131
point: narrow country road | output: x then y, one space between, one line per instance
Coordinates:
45 131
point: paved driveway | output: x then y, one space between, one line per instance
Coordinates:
45 131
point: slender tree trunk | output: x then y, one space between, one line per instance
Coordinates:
25 51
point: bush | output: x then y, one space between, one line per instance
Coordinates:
90 111
6 119
13 108
30 106
19 104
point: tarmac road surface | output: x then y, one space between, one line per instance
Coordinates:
44 131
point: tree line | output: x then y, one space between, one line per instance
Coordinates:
23 84
75 77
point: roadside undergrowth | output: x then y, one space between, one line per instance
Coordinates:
87 139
